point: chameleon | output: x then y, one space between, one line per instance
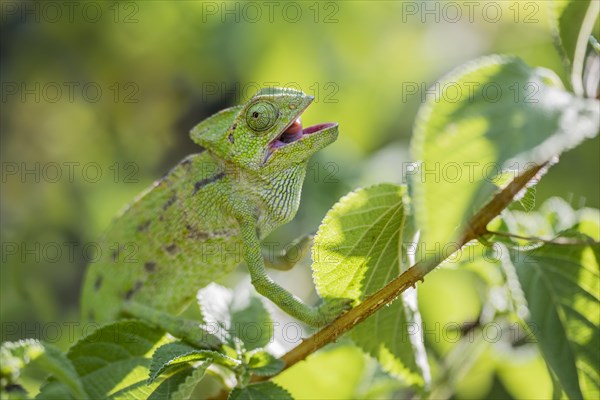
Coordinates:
209 213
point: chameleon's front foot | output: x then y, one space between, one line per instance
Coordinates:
328 311
320 315
313 316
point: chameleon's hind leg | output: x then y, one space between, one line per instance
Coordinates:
286 259
185 329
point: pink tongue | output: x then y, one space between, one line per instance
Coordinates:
294 128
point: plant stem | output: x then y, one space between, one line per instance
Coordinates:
558 240
475 228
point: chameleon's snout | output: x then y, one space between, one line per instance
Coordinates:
297 143
296 132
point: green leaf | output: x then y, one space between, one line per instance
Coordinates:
57 363
359 248
561 284
260 391
186 388
178 385
53 389
555 219
242 315
528 199
112 362
173 355
16 393
501 115
113 358
262 363
589 223
573 22
15 355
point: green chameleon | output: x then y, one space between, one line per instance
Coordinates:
209 213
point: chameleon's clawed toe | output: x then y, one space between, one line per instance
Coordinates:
332 309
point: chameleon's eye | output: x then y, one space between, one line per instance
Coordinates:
261 116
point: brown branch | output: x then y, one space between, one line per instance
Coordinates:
475 228
355 316
480 220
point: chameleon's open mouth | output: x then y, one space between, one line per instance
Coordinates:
295 132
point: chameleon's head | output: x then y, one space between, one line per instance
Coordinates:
266 132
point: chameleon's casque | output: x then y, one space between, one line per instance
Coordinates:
209 213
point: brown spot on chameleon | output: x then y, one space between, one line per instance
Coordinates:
143 226
170 202
171 249
230 136
150 266
192 232
195 233
129 294
200 184
115 254
98 283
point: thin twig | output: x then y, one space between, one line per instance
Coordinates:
558 240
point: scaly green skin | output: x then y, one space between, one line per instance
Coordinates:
208 214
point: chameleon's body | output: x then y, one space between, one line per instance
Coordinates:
209 213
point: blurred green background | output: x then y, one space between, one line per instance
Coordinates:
98 99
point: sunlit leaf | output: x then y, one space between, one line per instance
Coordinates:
179 385
186 388
561 284
528 199
174 355
112 358
361 246
260 391
262 363
492 115
15 355
555 218
573 23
